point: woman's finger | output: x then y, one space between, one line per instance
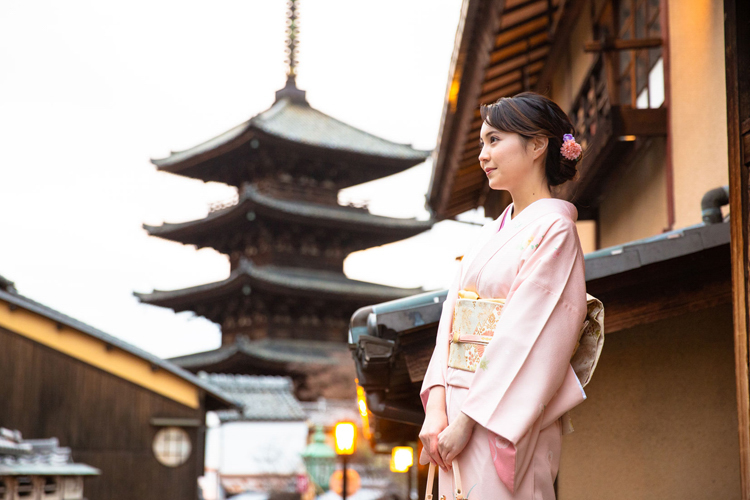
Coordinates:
435 452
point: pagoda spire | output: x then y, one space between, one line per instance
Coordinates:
290 90
292 35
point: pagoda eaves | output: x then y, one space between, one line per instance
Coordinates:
275 302
358 227
287 281
306 136
318 368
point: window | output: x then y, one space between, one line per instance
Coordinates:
640 72
172 446
24 486
50 487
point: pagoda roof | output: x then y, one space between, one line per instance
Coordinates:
280 351
311 214
294 120
276 279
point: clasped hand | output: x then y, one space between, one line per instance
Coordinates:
443 442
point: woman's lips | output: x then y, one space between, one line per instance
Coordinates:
487 172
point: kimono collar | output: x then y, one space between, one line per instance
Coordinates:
494 239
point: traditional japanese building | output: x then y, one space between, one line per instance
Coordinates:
135 417
285 234
653 221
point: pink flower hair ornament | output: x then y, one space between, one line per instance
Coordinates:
570 148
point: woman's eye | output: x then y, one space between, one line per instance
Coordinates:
493 139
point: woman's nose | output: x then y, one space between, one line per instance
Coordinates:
483 154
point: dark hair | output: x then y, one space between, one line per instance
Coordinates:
532 115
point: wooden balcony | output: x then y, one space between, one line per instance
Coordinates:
609 134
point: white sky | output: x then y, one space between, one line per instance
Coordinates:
91 90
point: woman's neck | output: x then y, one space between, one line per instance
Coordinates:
524 198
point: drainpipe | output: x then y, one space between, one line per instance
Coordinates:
711 205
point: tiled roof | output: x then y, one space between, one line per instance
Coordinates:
262 398
301 123
39 457
7 285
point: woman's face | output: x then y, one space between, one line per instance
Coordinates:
505 159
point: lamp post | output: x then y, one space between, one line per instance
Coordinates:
320 459
402 458
346 442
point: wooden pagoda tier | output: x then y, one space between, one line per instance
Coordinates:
266 225
278 302
292 140
318 369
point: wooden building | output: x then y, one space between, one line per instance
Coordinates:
286 237
39 469
139 419
662 113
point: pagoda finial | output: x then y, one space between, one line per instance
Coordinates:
292 35
290 91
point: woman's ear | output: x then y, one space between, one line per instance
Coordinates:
540 146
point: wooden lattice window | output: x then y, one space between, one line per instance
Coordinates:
24 486
640 72
172 446
50 487
3 489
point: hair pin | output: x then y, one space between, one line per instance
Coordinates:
570 148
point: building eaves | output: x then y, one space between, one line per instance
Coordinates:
35 307
418 310
48 470
620 258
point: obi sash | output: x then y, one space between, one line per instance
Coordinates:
474 322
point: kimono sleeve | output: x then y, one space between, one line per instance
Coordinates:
529 356
436 370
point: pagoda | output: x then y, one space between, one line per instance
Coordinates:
286 305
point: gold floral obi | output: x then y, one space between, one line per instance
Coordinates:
475 319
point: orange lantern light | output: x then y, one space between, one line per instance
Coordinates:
402 458
346 438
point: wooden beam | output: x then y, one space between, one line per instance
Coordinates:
640 122
618 44
737 59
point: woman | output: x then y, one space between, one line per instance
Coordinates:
502 422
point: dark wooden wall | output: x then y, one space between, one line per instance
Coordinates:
737 59
103 418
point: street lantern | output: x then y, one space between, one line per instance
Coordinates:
346 438
402 458
346 443
320 459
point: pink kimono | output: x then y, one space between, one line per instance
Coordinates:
525 382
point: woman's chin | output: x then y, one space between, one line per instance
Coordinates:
496 185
